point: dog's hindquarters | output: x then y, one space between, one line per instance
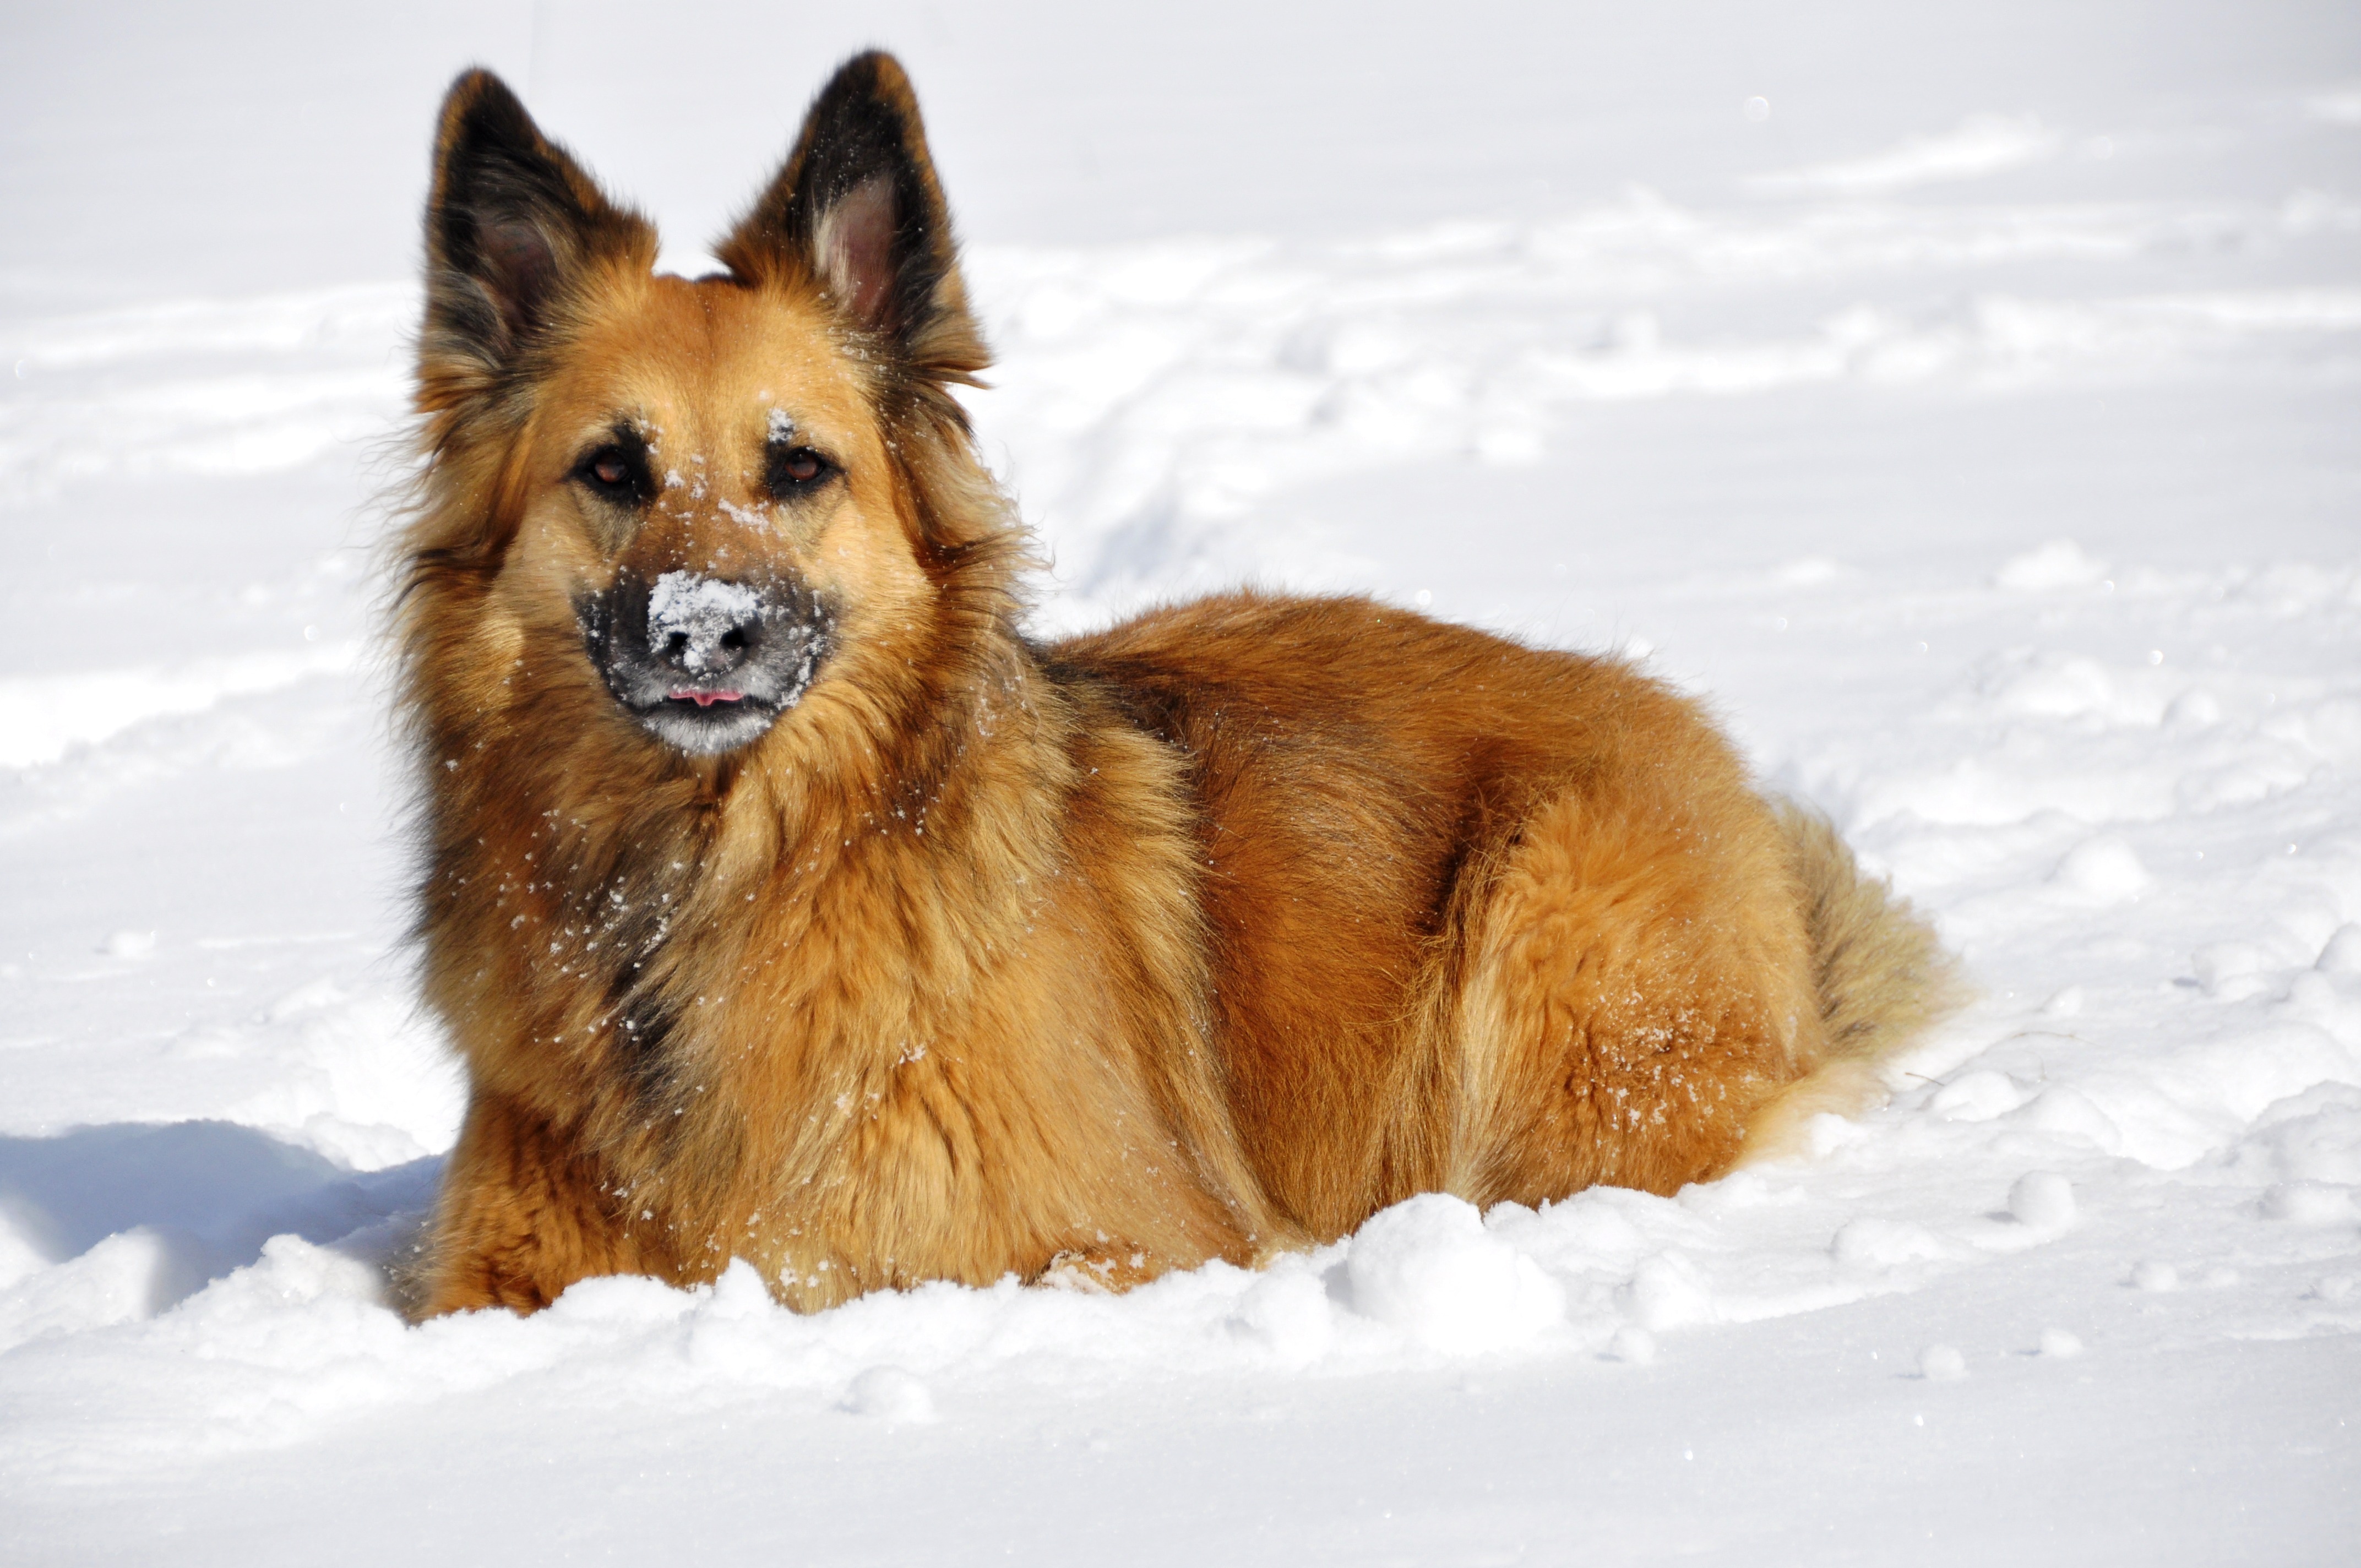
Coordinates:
1512 924
1660 984
1638 984
1880 973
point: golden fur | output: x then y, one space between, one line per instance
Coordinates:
1206 934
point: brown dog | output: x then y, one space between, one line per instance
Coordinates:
787 903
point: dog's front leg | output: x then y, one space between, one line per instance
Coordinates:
525 1212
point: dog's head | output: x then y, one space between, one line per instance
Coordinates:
713 497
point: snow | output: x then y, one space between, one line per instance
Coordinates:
1942 1364
1971 425
1429 1267
703 609
1978 146
2042 1200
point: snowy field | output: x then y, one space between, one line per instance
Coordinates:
1970 404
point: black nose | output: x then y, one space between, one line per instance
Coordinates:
702 626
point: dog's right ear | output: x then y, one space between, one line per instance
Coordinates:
857 209
512 224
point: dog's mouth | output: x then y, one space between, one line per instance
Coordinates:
708 723
704 664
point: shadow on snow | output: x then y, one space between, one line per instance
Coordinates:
211 1192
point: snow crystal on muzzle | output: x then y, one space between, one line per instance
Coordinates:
701 608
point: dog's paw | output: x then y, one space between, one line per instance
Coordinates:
1104 1270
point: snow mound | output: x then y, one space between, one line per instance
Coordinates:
1428 1267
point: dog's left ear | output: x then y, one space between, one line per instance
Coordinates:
857 209
513 228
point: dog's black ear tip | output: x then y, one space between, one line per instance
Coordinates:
475 85
875 68
870 78
479 107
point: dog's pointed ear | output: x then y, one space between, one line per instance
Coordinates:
857 209
512 224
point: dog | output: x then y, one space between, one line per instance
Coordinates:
786 901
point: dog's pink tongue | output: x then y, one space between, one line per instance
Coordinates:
706 699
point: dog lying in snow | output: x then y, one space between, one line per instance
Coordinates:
787 901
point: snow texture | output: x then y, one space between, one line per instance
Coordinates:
700 608
1961 398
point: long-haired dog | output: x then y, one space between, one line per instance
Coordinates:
787 901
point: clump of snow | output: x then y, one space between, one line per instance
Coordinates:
2065 1004
1942 1364
1666 1291
1429 1267
2104 870
128 944
2043 1200
703 609
1291 1312
890 1394
2060 1344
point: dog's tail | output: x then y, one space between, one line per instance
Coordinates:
1881 973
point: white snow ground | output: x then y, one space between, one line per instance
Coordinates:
1967 402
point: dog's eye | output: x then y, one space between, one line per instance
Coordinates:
615 473
797 471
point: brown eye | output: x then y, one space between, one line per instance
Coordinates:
617 471
794 471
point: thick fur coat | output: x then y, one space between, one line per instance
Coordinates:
786 902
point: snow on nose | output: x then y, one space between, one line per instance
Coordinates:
701 624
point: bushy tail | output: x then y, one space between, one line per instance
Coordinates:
1882 974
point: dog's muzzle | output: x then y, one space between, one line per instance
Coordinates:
705 664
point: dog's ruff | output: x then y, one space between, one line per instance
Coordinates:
785 902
